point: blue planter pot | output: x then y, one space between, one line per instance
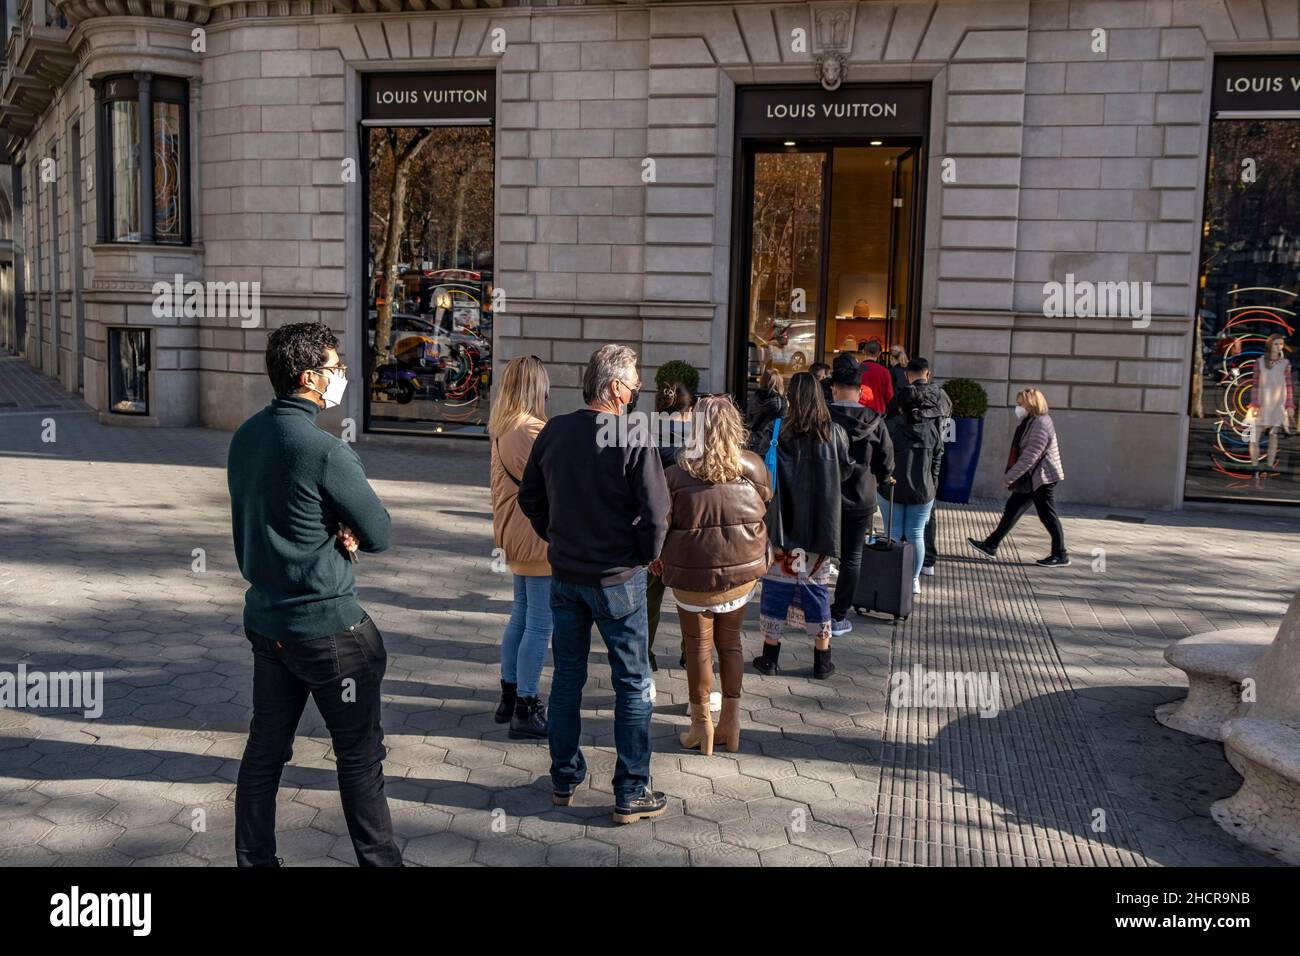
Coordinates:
960 459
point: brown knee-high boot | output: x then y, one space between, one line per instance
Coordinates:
726 635
698 631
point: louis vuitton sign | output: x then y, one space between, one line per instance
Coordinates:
847 111
429 97
1256 84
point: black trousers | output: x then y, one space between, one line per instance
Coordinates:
853 533
1019 502
342 672
931 533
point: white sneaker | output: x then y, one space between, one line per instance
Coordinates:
916 587
841 626
928 570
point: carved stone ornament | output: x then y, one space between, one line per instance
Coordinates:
832 33
831 68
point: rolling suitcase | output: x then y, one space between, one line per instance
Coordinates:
885 581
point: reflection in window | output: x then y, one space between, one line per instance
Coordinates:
785 261
125 132
128 371
430 277
1246 339
167 159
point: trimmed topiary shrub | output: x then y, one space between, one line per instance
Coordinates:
670 373
969 400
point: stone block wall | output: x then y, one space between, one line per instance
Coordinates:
1064 160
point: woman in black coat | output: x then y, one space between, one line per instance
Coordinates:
803 521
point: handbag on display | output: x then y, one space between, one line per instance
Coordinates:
861 310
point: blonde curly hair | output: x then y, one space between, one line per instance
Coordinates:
717 440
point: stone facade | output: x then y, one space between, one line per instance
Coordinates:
8 274
1065 160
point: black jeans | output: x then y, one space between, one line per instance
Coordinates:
1018 504
853 533
342 672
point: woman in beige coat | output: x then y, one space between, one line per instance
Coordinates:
518 414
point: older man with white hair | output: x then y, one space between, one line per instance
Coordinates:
602 506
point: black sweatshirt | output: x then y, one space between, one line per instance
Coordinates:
602 506
872 452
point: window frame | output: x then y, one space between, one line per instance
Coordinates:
145 90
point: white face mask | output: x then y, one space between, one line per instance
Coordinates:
1020 411
333 393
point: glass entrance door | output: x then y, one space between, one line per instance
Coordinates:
829 245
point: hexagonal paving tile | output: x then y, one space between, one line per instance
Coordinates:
80 837
78 808
583 852
439 849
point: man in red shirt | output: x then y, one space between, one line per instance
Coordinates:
879 383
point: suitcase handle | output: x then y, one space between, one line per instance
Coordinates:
889 531
888 544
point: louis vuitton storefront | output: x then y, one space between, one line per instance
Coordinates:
739 186
830 186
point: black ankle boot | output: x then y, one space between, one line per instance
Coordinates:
766 663
529 721
506 706
822 666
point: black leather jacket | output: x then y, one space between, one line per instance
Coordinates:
805 513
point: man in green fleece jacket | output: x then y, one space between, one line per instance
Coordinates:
301 508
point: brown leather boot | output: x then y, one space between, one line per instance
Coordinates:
701 732
727 730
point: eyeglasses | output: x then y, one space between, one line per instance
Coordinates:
328 368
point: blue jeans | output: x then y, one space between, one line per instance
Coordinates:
910 522
528 632
619 612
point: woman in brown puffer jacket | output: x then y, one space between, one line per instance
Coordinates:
715 552
518 414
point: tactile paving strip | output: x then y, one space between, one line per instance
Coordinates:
1022 788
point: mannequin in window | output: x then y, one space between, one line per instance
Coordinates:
1272 402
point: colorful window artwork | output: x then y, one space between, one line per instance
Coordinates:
1243 443
167 159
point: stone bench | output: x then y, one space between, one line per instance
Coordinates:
1265 812
1216 663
